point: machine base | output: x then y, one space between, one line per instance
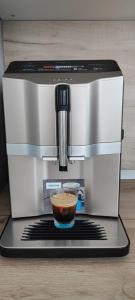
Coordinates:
90 237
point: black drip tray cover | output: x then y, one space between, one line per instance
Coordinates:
82 230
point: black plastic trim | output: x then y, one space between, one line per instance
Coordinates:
45 230
8 218
61 253
63 168
95 66
122 134
62 98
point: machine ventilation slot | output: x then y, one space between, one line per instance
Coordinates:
45 230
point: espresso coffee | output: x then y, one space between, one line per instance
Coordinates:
64 206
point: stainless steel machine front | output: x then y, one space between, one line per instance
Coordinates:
63 121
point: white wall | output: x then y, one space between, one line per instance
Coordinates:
67 9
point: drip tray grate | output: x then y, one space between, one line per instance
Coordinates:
82 230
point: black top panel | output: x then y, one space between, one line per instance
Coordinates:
72 66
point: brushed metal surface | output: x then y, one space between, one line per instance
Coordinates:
73 151
97 118
100 174
26 186
62 138
95 133
116 236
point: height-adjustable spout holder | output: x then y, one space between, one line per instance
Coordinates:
62 106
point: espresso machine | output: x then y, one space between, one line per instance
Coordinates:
64 122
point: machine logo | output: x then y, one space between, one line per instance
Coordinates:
60 79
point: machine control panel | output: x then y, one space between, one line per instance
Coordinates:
73 66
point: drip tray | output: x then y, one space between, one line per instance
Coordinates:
45 230
91 237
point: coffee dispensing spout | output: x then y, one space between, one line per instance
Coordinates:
62 107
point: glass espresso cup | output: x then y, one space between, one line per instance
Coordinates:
64 207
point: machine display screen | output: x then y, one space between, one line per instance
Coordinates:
74 66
